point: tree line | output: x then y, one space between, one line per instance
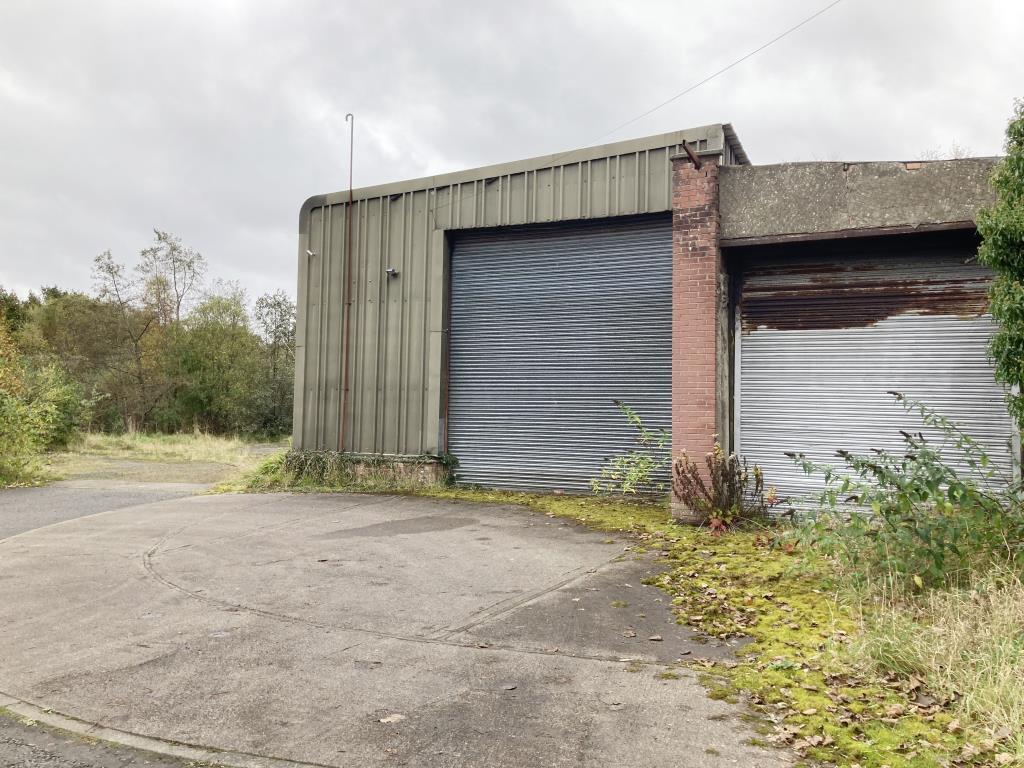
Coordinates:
154 347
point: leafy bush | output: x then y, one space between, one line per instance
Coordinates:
41 408
1002 249
19 440
729 493
640 469
929 516
60 410
20 446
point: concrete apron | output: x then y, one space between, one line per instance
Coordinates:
341 630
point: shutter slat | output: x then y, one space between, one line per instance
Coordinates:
822 343
550 325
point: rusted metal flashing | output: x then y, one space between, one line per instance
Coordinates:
842 308
856 294
843 234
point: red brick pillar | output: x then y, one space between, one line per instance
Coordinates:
696 287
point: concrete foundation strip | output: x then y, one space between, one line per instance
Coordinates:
169 748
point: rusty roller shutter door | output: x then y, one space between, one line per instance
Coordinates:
550 325
820 344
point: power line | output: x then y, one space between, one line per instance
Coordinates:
723 70
555 158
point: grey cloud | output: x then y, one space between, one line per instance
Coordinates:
215 120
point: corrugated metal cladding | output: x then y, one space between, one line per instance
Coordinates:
397 334
821 343
549 326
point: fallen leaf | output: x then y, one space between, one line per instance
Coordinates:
969 751
924 700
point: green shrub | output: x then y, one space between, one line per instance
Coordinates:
19 444
640 469
929 516
41 408
1001 227
60 410
19 439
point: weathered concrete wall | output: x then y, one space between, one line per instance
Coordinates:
793 199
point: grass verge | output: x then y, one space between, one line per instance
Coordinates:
807 670
964 648
102 455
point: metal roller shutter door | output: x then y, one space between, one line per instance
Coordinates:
549 326
820 345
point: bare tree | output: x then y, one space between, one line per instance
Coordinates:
136 323
955 151
275 315
170 273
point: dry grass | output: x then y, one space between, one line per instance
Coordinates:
181 447
197 457
966 646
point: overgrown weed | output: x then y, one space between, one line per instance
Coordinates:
186 447
965 646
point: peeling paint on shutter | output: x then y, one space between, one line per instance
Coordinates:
549 326
821 343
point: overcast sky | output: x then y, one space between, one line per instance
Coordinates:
215 119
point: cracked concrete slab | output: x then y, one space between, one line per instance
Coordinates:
358 630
